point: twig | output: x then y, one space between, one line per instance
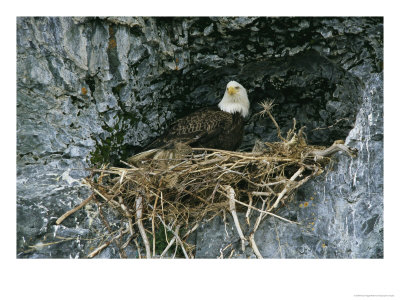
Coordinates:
162 212
296 185
172 241
330 126
106 244
100 194
122 177
232 209
254 246
266 212
337 146
139 208
137 247
130 238
114 239
76 208
176 249
260 194
249 208
175 234
255 156
152 226
267 107
129 165
222 250
124 208
259 217
287 187
251 237
191 230
99 249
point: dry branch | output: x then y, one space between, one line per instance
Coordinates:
139 209
175 235
232 209
251 237
171 242
287 187
76 208
98 250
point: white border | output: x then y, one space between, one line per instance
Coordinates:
200 279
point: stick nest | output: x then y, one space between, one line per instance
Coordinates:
173 190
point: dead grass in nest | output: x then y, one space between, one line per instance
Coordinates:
173 191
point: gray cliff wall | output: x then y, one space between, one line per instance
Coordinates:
95 90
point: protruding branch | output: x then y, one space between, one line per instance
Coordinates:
232 209
76 208
106 244
176 236
337 146
99 249
249 208
139 209
287 187
254 246
251 237
267 107
171 242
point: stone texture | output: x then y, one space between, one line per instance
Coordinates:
94 90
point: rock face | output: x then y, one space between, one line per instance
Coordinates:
95 90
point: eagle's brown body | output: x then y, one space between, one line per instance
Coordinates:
209 128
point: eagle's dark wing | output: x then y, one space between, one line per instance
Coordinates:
195 129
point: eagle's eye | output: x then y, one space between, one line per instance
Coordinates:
237 87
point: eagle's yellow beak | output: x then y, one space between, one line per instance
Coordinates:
231 90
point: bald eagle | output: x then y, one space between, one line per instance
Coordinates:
217 127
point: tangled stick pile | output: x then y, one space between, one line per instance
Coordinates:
175 190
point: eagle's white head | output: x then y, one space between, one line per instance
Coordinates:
235 99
